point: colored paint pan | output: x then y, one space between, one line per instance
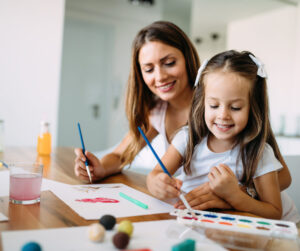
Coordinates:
238 223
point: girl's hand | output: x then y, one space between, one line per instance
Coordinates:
223 181
203 198
162 186
96 169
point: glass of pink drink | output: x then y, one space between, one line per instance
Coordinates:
25 183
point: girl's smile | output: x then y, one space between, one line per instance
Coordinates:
226 106
223 128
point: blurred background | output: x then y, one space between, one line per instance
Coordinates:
67 61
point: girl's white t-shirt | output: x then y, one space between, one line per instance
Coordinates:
204 159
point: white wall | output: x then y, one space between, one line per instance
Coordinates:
123 20
30 59
296 83
178 12
272 38
100 75
30 54
207 47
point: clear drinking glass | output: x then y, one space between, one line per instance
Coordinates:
25 182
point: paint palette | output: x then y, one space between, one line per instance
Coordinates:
238 223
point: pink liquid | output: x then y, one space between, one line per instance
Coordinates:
25 186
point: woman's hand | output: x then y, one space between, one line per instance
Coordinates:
96 169
162 186
223 181
203 198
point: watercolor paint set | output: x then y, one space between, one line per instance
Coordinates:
238 223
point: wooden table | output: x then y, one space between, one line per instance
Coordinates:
51 212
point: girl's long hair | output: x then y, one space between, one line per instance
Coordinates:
139 99
258 130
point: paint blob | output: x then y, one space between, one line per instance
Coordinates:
263 228
210 215
281 225
225 223
209 221
263 223
245 220
95 200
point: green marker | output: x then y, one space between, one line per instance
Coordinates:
134 201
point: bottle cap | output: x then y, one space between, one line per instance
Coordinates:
44 127
43 122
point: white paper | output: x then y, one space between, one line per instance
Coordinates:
73 195
3 217
154 235
52 184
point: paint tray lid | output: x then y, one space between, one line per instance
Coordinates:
238 231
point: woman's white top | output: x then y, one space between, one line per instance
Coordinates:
157 120
204 159
145 161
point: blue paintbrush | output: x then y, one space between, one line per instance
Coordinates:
4 164
83 151
181 196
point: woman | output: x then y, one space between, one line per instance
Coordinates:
160 88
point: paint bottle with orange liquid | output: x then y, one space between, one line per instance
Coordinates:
44 139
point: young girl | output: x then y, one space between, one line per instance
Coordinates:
229 139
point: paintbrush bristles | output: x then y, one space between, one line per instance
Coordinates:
187 205
89 173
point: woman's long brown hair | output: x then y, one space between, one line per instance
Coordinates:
139 99
258 130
